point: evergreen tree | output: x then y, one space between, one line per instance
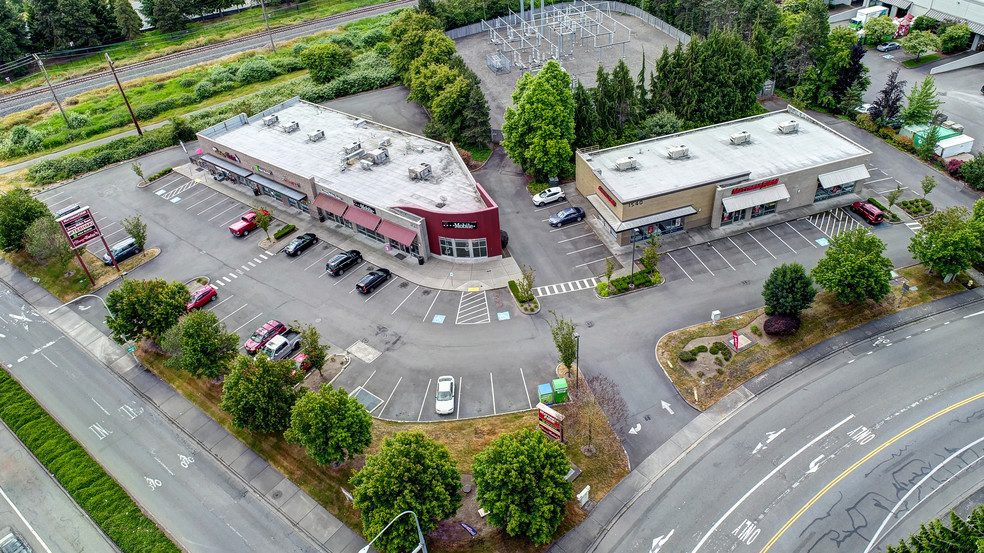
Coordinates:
643 105
127 19
169 15
602 98
623 96
42 16
585 117
14 42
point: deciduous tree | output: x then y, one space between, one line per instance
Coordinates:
135 227
18 210
949 242
928 183
539 127
46 241
890 97
562 331
788 290
14 41
145 308
520 480
880 28
258 393
920 42
854 267
331 426
311 346
200 345
326 61
410 473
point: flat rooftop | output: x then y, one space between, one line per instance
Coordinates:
712 157
385 185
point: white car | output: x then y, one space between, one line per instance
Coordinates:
444 405
552 194
866 108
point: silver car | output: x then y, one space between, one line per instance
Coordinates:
444 404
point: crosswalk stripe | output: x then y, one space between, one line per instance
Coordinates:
565 287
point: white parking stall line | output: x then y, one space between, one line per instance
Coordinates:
268 252
205 199
117 231
247 322
64 202
575 238
381 288
701 261
725 259
569 225
492 383
590 263
424 402
869 182
431 307
55 195
914 227
585 249
348 273
742 251
550 207
231 221
781 240
760 244
473 308
234 312
808 241
226 280
681 267
320 259
457 411
526 388
386 403
169 182
221 212
225 300
405 300
264 257
211 207
368 379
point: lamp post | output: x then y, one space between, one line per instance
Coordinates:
421 546
125 339
577 363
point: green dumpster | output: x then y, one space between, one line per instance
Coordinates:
560 390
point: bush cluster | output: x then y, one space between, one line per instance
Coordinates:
255 70
781 325
160 174
284 231
916 207
722 348
514 288
953 167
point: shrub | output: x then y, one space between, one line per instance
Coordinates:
700 374
283 231
187 82
864 121
76 165
955 38
536 187
374 37
352 40
224 87
53 142
298 48
255 70
77 120
953 167
904 143
686 356
157 86
887 133
781 325
160 174
700 349
185 100
718 362
383 49
204 90
287 64
32 141
720 372
603 289
221 75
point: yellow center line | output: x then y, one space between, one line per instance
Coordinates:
863 460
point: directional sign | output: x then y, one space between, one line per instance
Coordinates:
131 349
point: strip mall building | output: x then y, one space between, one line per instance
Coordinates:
403 191
757 167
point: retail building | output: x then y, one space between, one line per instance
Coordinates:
404 191
762 166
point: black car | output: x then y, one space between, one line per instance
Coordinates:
346 260
122 250
301 243
565 216
373 279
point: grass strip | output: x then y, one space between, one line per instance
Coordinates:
106 502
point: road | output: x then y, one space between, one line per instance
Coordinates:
839 457
162 468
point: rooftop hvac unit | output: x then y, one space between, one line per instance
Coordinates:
359 123
354 155
420 149
420 172
789 127
678 152
385 142
625 163
316 135
349 148
741 137
379 155
291 127
366 164
270 120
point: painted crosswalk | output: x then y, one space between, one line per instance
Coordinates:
565 287
914 227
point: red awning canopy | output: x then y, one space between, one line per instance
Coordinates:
329 204
402 235
362 217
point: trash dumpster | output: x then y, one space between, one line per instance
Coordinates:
546 394
560 390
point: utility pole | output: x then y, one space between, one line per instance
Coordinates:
132 116
51 88
267 21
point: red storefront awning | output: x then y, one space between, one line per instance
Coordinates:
402 235
362 217
329 204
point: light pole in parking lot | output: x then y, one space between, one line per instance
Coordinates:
577 362
129 348
421 546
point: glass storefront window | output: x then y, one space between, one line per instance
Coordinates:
763 209
479 248
371 234
460 247
833 192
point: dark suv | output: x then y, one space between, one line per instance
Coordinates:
372 279
122 250
869 212
337 264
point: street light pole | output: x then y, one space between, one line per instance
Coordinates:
577 363
421 546
125 339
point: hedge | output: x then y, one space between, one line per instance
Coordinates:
160 174
103 499
283 231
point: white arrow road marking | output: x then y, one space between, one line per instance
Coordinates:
3 335
19 318
667 407
22 358
660 542
84 307
773 435
815 465
757 448
635 429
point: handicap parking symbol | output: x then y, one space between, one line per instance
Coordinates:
439 319
504 316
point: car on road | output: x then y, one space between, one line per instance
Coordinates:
550 195
337 265
565 216
372 279
246 223
444 402
202 296
122 250
888 46
869 212
263 334
301 243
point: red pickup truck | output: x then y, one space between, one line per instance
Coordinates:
263 334
246 223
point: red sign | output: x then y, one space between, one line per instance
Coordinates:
79 227
734 336
551 422
751 187
605 194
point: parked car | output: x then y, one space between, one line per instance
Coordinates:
263 334
301 365
12 543
444 402
888 46
122 250
337 265
870 109
868 212
202 296
550 195
279 347
246 223
372 279
301 243
565 216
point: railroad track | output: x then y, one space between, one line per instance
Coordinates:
201 49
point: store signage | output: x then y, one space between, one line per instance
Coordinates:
751 187
79 227
330 194
551 422
605 194
259 169
227 155
361 205
292 183
460 224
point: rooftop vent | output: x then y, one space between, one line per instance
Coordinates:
386 141
678 152
365 164
359 123
270 120
420 149
625 163
350 148
789 127
316 135
420 172
379 155
291 127
741 137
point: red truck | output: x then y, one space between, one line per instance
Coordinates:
263 334
246 223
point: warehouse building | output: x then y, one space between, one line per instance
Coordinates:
758 167
397 189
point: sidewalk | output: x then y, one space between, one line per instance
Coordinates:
435 273
278 492
585 537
